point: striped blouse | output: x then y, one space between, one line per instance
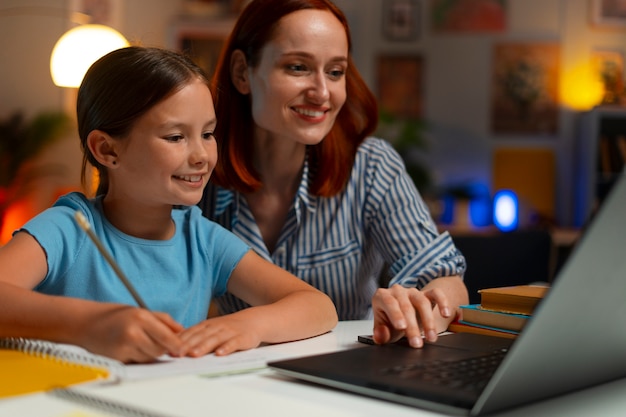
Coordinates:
377 229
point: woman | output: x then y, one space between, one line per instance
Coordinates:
301 182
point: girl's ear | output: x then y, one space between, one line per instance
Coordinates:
239 72
102 147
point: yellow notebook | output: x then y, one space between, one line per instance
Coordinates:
29 366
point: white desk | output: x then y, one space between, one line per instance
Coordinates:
264 393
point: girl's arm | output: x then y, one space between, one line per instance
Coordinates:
118 331
284 309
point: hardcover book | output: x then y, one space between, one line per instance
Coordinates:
519 299
476 315
460 327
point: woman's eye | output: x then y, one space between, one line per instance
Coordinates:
208 135
296 68
336 74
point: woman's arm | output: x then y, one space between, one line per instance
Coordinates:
118 331
405 234
284 309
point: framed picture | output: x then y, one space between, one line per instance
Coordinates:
608 13
400 85
525 88
102 12
202 40
468 16
401 20
608 65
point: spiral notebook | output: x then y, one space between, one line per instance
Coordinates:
30 366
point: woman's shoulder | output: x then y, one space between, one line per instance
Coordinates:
376 151
377 147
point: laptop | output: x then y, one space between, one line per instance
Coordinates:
576 339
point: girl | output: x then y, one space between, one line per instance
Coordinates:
146 122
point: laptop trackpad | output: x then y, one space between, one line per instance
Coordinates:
463 341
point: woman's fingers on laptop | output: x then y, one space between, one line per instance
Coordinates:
400 311
389 322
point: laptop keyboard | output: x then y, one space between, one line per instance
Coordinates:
468 374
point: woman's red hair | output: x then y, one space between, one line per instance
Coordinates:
332 159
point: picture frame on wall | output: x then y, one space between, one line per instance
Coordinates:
400 86
608 66
468 16
608 14
401 20
525 88
201 39
102 12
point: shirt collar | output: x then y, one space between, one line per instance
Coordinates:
226 198
303 194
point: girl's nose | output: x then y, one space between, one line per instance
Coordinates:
199 153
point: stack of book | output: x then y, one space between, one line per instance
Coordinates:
502 311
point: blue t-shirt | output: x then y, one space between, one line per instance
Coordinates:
178 276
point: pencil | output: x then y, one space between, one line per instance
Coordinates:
84 224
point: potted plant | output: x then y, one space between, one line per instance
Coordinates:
20 142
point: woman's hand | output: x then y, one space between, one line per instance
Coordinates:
400 311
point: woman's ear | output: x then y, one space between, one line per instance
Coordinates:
102 147
239 71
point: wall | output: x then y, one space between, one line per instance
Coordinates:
456 83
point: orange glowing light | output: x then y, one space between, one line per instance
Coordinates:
581 87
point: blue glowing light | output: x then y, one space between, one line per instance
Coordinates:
505 210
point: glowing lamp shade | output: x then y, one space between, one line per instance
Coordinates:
505 210
80 47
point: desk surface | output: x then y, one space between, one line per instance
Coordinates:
264 393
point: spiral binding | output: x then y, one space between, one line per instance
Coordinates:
73 355
102 404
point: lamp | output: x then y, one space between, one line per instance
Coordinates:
80 47
506 210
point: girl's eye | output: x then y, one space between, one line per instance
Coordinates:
208 135
174 138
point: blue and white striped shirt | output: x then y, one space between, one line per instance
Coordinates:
342 244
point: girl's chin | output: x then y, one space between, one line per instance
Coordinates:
190 201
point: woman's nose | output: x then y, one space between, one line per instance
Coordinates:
318 91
